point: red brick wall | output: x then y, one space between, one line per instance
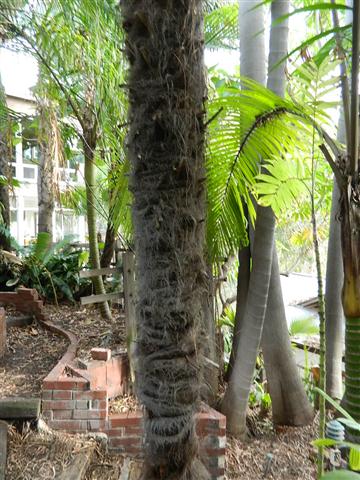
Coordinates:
77 399
2 332
80 404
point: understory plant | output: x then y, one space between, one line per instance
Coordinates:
354 448
53 270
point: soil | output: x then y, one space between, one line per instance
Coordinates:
91 330
282 455
31 353
285 454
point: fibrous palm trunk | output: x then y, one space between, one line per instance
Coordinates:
290 405
166 93
5 153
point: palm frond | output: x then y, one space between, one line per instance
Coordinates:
253 124
221 27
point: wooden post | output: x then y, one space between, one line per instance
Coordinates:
2 332
129 304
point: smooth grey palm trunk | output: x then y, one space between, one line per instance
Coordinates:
290 405
235 400
289 402
334 313
166 149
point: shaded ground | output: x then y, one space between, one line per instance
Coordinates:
34 456
283 455
31 353
88 326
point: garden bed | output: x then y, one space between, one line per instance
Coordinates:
90 329
285 454
31 353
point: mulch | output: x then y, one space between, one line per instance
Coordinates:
286 454
41 456
33 351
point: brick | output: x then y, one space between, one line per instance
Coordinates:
210 441
58 404
82 404
66 384
211 462
97 425
126 441
213 441
217 473
125 419
215 452
99 404
62 394
222 422
134 430
90 395
131 451
63 414
90 414
116 432
102 354
47 394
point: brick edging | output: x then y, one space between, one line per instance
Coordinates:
27 300
76 399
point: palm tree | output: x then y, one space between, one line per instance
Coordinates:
49 150
334 280
290 405
234 404
166 149
334 326
84 80
5 159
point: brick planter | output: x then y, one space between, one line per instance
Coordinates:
77 400
76 397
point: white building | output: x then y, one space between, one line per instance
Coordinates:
24 199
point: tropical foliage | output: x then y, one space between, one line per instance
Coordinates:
53 270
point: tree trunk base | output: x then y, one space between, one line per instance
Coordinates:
196 471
